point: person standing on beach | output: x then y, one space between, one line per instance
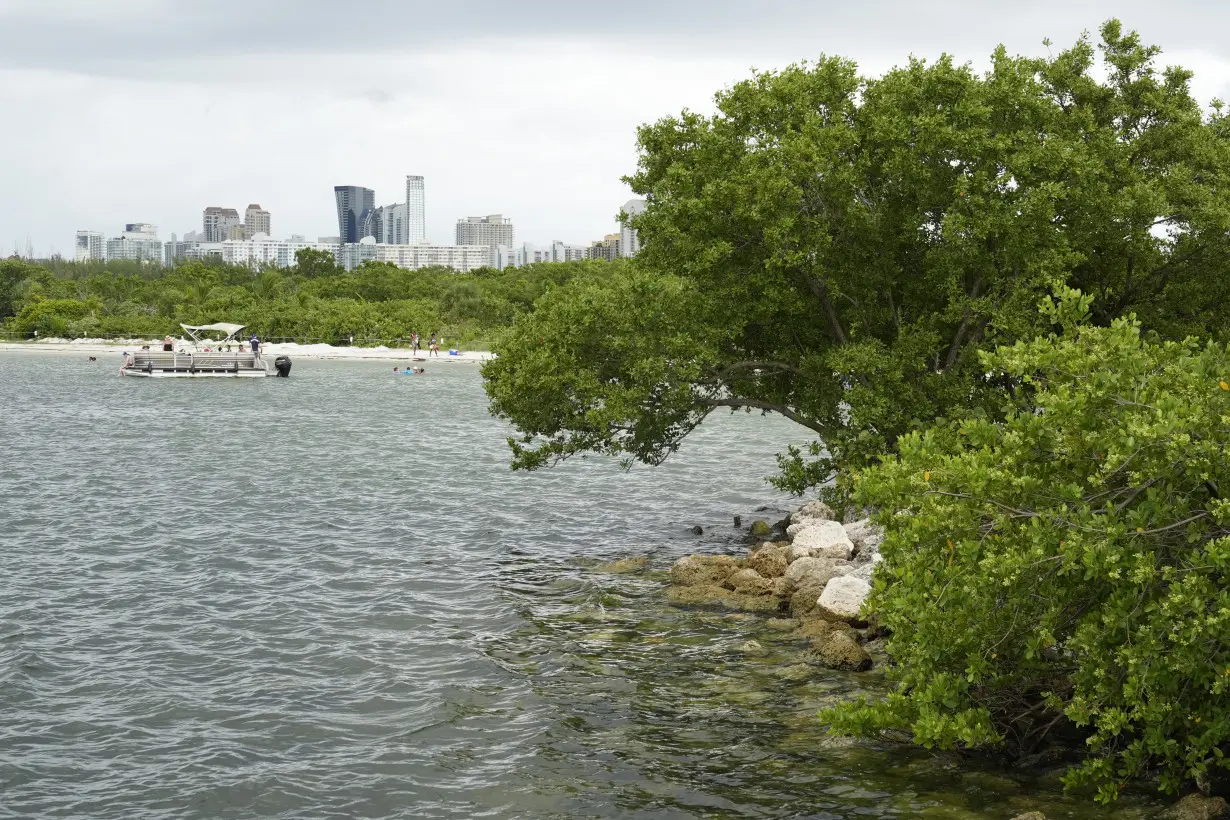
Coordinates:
432 346
414 343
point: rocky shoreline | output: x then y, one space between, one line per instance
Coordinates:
809 576
818 573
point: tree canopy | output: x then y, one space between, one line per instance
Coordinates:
1066 569
835 248
313 301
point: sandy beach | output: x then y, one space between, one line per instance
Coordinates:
93 347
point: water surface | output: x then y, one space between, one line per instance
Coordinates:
327 596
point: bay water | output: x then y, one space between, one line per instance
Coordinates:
328 596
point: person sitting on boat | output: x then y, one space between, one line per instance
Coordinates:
168 345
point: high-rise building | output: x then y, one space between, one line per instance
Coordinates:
490 231
139 242
354 203
90 247
629 241
606 248
216 222
461 258
255 220
416 210
503 256
387 225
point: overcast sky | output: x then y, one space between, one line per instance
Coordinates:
150 110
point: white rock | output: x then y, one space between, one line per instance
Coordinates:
793 529
866 536
797 551
843 597
799 571
827 538
813 510
866 569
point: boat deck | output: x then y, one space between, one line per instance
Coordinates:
150 363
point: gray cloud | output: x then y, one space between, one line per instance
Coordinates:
149 110
85 36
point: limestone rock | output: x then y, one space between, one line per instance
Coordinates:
865 536
842 598
837 650
703 570
865 570
749 582
761 529
1197 807
781 587
770 561
751 648
781 624
826 538
634 564
797 551
816 510
803 601
717 596
810 572
1030 815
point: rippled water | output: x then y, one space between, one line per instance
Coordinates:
328 597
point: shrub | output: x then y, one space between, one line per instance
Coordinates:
1066 567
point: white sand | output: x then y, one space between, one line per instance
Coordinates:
295 351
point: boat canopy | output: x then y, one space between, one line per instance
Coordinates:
229 329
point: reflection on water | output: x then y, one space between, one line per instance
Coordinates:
327 597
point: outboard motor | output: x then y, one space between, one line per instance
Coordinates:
282 365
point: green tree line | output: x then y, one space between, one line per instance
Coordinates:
314 300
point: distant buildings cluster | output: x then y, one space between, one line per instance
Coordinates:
394 233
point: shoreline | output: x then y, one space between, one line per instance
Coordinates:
292 349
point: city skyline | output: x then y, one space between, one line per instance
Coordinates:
277 103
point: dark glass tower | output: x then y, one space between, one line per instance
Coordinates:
353 205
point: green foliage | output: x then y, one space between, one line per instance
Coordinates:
315 301
1066 568
852 242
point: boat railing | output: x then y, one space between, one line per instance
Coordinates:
167 360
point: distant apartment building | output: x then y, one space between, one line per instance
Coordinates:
629 240
526 254
139 242
606 248
177 250
387 225
489 231
216 223
256 220
354 204
264 251
416 210
461 258
90 247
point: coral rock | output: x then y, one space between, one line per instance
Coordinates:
826 538
837 650
703 570
749 582
770 561
816 510
1197 807
843 598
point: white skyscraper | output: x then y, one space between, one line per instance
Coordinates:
629 242
416 210
90 246
490 230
